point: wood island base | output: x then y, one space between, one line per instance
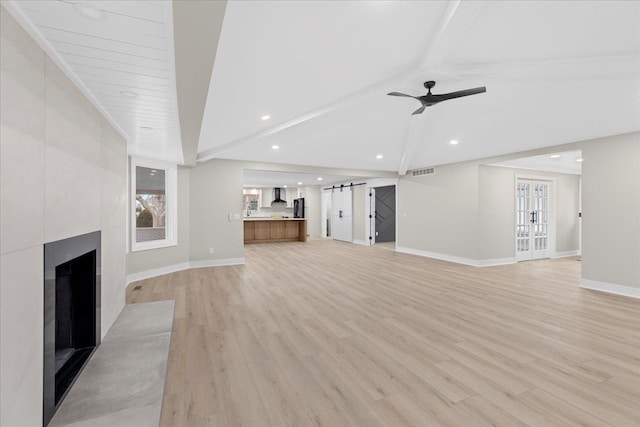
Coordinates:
275 230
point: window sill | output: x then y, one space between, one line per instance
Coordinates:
153 244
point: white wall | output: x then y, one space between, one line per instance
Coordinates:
611 212
63 173
437 213
496 218
466 212
216 192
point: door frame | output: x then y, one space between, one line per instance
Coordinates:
325 203
552 180
370 209
372 184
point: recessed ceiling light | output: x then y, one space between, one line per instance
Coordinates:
152 174
379 156
265 117
146 128
128 94
579 160
453 142
554 156
153 170
275 147
284 186
90 11
319 178
300 183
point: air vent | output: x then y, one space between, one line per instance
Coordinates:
421 172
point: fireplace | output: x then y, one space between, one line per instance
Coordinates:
71 313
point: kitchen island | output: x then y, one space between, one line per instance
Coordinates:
265 230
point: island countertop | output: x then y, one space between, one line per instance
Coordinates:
260 218
264 230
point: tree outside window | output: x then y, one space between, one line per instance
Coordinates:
150 204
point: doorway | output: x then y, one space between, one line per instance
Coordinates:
385 214
342 214
533 230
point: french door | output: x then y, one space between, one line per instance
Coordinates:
532 219
342 214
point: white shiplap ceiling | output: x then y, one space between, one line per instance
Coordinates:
555 71
121 54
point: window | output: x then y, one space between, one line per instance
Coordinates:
153 205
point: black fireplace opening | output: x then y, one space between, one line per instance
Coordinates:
75 318
71 314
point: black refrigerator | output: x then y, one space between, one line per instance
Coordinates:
298 208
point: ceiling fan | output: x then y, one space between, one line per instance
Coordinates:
430 99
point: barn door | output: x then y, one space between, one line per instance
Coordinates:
386 214
342 214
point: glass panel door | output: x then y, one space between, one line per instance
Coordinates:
532 219
523 224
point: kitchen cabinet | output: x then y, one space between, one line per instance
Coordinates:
267 197
291 193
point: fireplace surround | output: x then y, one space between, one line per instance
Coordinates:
71 314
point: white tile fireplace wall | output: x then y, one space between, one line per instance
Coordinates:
63 173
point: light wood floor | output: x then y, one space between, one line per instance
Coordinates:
334 334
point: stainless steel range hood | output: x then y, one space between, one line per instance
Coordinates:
278 200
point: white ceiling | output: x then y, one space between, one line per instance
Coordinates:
555 72
562 162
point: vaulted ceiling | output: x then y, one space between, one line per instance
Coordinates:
555 72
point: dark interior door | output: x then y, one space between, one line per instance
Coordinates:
386 214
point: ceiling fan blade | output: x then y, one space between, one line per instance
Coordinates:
460 93
419 110
400 94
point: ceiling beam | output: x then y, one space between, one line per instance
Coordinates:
351 99
455 21
418 134
196 26
456 18
416 125
627 65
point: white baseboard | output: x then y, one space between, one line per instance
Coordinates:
361 242
217 262
566 254
610 288
456 259
147 274
496 261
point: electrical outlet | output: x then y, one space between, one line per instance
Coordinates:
211 251
377 234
